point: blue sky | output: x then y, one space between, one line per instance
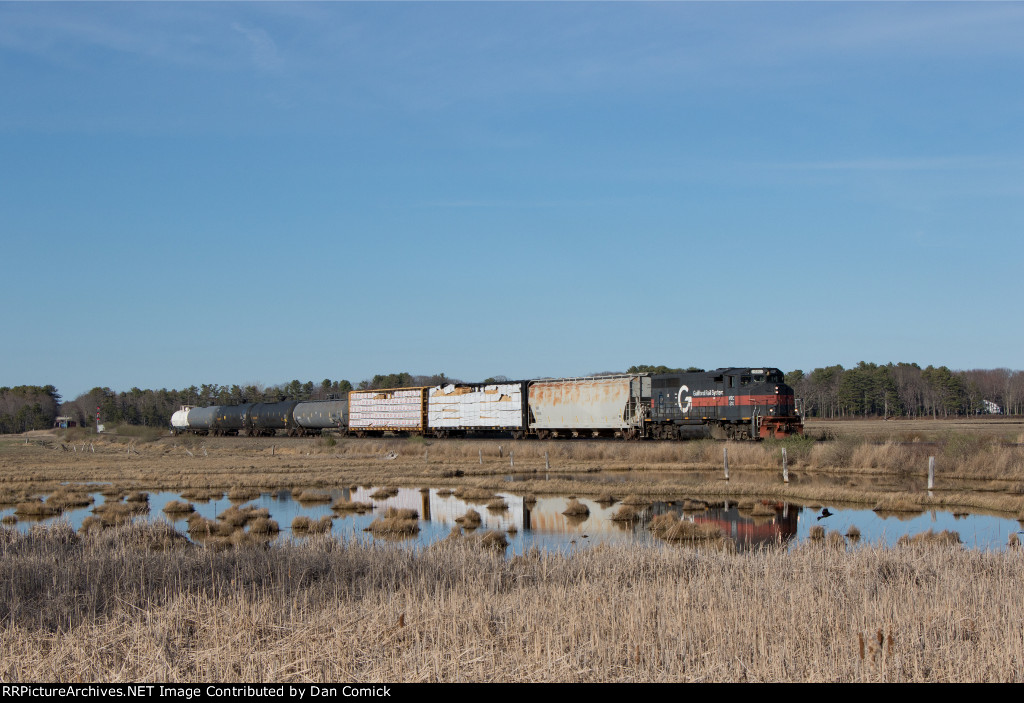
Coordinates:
236 193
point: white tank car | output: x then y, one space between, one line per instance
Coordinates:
179 420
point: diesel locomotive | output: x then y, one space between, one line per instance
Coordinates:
734 403
729 403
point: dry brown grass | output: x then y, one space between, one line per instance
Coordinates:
304 525
312 497
470 494
671 528
396 522
177 507
944 538
975 469
36 509
320 611
626 513
238 517
350 506
470 520
241 494
576 509
264 526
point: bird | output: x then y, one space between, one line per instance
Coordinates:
825 512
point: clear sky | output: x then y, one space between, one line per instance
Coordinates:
236 193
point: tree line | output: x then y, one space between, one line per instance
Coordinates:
866 390
907 390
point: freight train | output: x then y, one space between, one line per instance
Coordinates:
732 403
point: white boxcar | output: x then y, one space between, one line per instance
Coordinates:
589 404
391 409
462 406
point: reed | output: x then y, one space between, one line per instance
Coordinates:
576 509
311 497
470 519
177 507
319 610
350 506
396 522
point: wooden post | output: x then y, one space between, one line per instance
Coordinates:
273 448
725 457
426 453
547 462
499 452
481 456
785 469
512 457
931 473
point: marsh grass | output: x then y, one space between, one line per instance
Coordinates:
305 525
312 497
177 507
201 495
37 509
470 494
576 509
133 603
241 494
898 504
497 504
944 538
672 528
397 522
350 506
470 519
626 513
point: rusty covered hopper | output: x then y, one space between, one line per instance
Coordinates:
593 403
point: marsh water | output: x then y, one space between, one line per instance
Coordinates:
542 524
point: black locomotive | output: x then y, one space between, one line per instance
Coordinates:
734 403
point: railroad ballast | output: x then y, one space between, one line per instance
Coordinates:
729 403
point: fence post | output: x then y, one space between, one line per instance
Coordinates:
785 469
931 473
500 454
481 455
547 462
512 457
725 458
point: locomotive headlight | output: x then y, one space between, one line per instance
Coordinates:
776 390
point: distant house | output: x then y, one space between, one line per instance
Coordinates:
63 422
991 408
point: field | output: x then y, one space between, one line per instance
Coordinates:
140 602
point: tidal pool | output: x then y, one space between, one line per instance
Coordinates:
543 525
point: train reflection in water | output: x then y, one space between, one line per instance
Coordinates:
544 523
